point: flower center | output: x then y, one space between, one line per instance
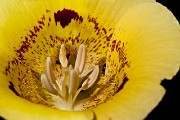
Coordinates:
67 87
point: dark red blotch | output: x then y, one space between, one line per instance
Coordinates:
11 87
65 16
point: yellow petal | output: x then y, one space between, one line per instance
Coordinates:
144 51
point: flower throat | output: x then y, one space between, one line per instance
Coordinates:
67 87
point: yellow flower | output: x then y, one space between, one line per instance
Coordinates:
86 59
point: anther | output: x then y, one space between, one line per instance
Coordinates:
47 84
50 74
91 79
74 81
62 56
83 59
80 59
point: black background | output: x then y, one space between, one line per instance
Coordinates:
168 107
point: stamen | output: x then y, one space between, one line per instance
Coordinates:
76 94
47 84
65 84
62 56
80 59
83 60
92 78
74 81
50 74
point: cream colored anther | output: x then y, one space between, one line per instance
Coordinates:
91 79
47 84
74 81
62 56
50 73
80 59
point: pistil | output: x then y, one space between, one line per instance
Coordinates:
73 83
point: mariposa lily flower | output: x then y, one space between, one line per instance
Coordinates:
86 59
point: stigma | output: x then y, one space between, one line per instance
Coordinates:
67 88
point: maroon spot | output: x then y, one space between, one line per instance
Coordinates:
14 61
32 34
93 20
108 38
104 30
113 45
65 16
117 46
43 18
40 27
11 87
47 11
24 48
41 22
36 29
7 69
49 19
33 41
123 83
